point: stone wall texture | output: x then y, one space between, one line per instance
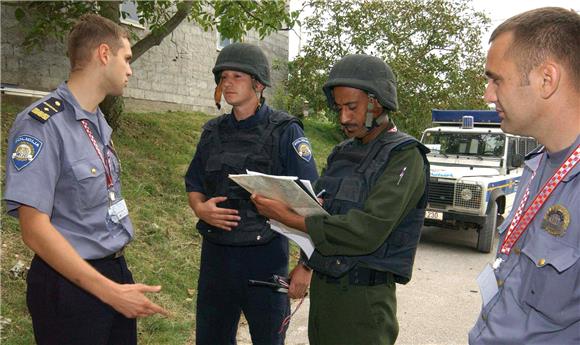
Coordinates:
176 75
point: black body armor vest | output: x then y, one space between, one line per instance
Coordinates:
351 174
230 150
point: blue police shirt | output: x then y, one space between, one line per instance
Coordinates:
292 137
539 282
53 167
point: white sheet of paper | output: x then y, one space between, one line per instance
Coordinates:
308 186
487 284
302 239
283 188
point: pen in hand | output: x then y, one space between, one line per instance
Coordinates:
401 175
320 195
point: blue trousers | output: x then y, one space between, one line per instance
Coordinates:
224 292
64 314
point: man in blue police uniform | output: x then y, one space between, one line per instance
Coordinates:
238 243
62 182
532 290
376 194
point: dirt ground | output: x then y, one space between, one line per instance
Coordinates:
440 304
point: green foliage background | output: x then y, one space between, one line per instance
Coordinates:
433 46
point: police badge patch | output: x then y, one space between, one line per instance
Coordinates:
26 149
556 220
302 148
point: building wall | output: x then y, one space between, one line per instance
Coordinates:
176 75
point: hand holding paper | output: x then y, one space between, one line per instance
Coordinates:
283 199
279 211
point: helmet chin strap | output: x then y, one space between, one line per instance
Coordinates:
259 95
217 95
370 121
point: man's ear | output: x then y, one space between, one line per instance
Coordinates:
259 87
550 74
103 53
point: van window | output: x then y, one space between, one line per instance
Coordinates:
467 144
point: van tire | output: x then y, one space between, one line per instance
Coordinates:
487 231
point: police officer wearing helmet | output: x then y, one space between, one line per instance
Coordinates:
62 182
238 244
375 186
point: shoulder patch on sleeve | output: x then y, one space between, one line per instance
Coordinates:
303 148
26 149
44 110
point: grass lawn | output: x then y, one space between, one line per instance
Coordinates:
155 151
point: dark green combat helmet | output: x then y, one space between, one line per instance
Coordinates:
367 73
243 57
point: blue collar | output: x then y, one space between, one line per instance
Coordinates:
251 121
534 158
97 118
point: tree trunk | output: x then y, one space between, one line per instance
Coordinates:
154 38
113 106
110 10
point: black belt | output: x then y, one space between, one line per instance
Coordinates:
364 277
113 256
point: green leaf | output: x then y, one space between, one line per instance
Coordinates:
19 14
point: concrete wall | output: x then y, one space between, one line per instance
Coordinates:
176 75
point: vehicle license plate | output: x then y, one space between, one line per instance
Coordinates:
434 215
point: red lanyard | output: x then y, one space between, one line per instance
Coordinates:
106 165
522 219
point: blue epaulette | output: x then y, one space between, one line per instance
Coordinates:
44 110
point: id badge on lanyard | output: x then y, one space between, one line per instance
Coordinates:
487 284
117 207
118 211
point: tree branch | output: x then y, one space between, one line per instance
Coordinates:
250 14
154 38
110 10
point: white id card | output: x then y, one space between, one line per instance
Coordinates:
118 211
487 284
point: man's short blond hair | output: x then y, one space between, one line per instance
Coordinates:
88 33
